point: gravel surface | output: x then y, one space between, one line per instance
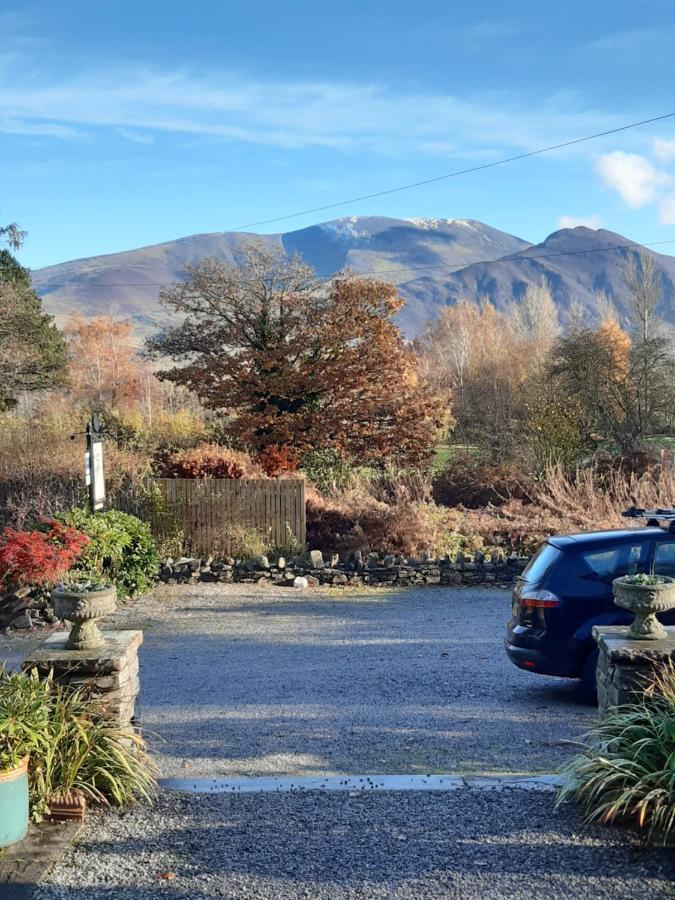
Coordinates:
240 681
463 844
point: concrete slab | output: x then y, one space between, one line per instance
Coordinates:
358 783
24 865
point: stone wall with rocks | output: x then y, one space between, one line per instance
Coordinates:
319 568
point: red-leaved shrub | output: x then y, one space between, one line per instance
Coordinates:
278 460
210 461
41 556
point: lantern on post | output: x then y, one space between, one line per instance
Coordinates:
93 465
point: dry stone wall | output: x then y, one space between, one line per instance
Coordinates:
328 569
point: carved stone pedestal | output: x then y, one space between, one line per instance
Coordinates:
625 666
111 670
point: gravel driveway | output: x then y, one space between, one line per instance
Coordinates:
469 845
239 681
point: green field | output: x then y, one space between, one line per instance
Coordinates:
444 452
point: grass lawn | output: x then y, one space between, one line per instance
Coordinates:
444 452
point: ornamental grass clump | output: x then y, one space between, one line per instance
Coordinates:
625 772
74 747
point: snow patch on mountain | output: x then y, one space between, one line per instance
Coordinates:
435 224
349 228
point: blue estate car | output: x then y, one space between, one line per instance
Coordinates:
566 589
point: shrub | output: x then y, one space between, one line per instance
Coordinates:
23 717
41 556
327 469
625 770
246 543
72 744
356 520
209 461
121 549
468 482
278 460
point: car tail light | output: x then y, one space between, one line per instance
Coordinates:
538 599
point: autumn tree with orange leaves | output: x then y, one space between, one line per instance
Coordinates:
594 368
104 369
296 362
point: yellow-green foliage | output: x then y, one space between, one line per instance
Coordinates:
625 772
72 744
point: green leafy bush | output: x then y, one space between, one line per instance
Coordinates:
646 580
121 550
625 771
72 744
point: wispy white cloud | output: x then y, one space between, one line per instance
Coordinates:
575 221
633 176
347 116
664 150
39 128
630 39
137 137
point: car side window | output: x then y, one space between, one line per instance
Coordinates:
612 562
664 559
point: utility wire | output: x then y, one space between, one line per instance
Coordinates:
519 255
490 165
407 187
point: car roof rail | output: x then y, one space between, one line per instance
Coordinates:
653 516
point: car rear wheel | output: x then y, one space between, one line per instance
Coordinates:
588 688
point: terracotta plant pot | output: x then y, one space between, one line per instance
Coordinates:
82 609
645 600
66 807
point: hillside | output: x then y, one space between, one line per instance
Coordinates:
129 282
578 266
433 261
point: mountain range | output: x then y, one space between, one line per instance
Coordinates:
432 261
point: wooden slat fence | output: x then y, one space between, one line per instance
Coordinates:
210 511
203 515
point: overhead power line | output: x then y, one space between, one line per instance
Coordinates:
480 168
437 178
519 255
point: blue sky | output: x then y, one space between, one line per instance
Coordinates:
124 124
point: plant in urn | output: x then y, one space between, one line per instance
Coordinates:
82 604
645 595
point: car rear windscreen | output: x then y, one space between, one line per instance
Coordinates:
541 564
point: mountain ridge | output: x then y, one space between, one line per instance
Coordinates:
433 262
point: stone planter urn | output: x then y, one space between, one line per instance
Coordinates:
645 595
83 605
